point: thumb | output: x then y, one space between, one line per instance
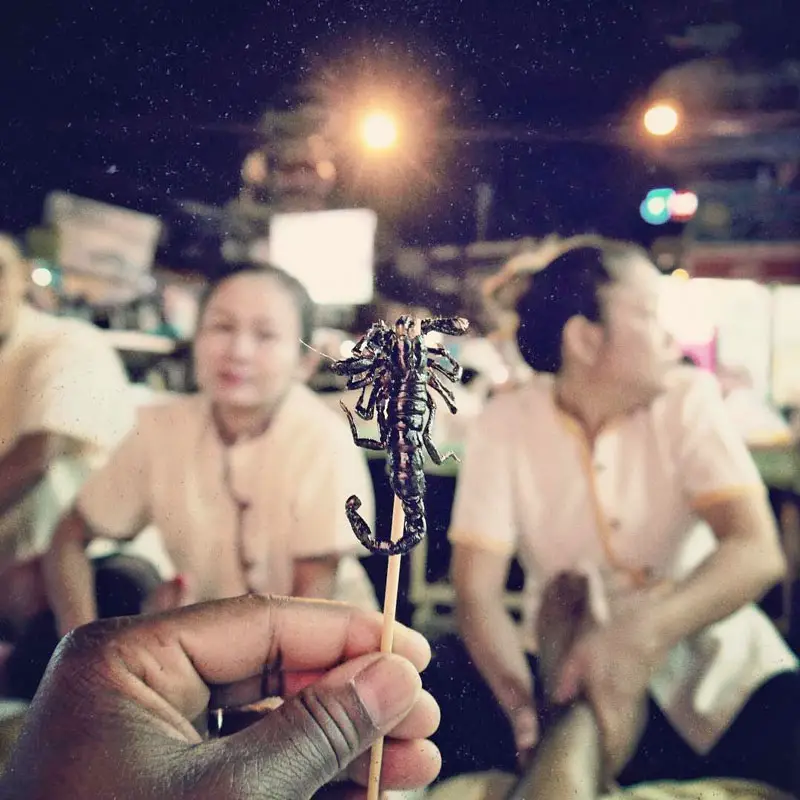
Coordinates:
315 735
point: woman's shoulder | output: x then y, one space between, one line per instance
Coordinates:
311 418
525 402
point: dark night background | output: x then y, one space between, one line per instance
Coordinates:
145 103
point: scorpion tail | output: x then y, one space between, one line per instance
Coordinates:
412 532
359 525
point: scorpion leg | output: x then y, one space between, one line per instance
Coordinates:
451 375
361 378
367 411
383 423
443 390
358 347
368 340
353 366
367 444
379 383
430 446
447 396
452 368
359 381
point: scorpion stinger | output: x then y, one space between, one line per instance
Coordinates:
396 371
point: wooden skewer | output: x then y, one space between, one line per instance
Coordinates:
387 638
389 616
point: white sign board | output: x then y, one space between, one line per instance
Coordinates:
737 312
786 346
102 240
331 252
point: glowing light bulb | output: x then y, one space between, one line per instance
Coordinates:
661 119
42 276
379 130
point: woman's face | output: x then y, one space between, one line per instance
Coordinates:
247 349
638 351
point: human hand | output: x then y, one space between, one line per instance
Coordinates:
564 611
113 716
613 665
564 614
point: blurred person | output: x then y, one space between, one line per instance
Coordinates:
570 762
616 462
64 403
246 480
103 726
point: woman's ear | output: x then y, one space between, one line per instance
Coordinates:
581 341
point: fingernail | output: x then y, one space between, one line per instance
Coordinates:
387 688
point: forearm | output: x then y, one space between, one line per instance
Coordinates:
22 468
493 642
739 572
69 577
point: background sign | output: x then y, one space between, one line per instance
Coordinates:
101 240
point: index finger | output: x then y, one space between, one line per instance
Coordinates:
232 640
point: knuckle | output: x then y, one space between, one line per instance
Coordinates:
76 675
336 730
83 645
86 655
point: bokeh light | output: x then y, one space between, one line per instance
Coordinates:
379 130
661 119
41 276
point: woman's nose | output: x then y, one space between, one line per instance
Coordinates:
241 345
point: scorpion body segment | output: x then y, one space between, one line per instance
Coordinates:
396 372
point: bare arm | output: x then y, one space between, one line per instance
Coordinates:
718 471
615 663
315 577
479 577
26 464
69 577
747 563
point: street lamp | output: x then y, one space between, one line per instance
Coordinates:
379 130
661 119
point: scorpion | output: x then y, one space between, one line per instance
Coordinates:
396 370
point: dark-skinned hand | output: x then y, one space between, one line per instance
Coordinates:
114 715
